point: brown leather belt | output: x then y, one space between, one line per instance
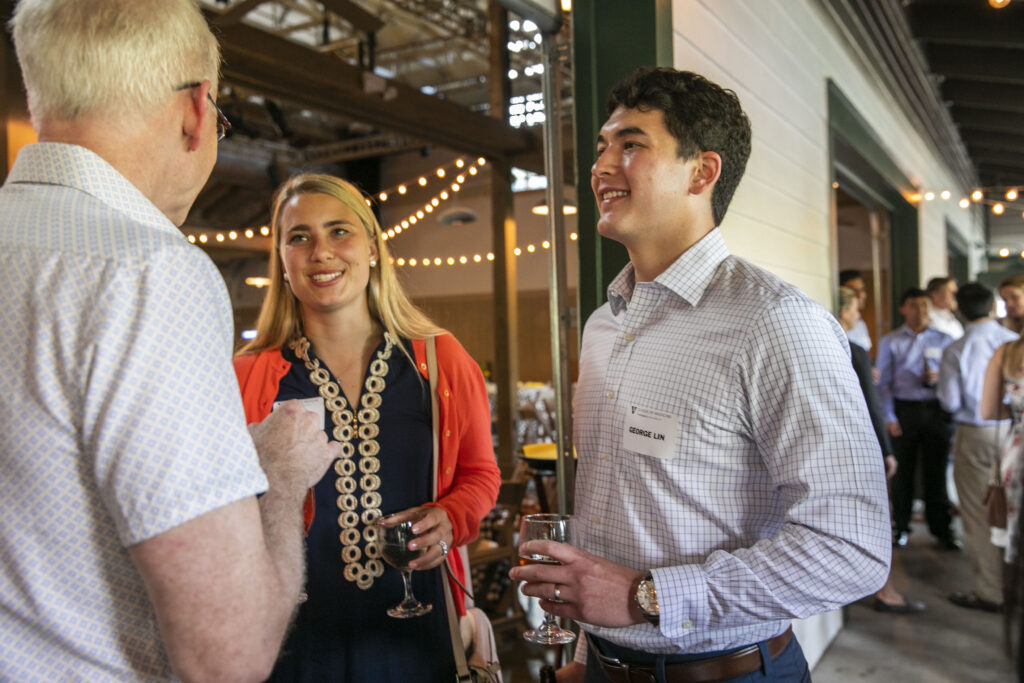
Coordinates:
711 670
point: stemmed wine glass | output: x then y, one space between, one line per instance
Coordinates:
545 527
394 548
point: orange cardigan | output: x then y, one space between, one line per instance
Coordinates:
468 476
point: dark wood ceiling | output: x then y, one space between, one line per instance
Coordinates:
976 53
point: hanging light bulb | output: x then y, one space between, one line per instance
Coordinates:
998 4
1011 194
977 195
946 194
964 203
929 195
998 209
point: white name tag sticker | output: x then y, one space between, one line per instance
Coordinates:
313 405
650 432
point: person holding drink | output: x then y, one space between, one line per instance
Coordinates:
908 367
338 332
729 479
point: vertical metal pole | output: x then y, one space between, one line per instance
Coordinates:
553 164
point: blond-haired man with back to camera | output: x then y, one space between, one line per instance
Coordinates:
133 544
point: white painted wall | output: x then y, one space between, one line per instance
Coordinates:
777 55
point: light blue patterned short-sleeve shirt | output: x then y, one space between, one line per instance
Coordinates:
120 415
724 444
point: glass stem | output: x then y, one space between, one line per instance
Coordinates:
409 599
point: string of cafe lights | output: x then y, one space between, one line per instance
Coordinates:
998 199
461 170
464 260
458 170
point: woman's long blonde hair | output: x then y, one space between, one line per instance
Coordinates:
280 322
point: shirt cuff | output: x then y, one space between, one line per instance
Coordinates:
682 600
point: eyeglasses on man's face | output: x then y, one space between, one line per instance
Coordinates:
223 125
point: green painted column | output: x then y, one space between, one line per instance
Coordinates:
611 38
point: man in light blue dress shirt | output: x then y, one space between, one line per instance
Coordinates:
133 546
908 367
729 478
976 442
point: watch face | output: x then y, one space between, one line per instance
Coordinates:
647 597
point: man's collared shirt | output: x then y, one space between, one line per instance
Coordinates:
120 413
724 443
902 355
945 321
962 374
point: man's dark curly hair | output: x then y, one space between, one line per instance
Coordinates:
700 115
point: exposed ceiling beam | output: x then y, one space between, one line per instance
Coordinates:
994 174
281 69
354 14
987 119
994 140
968 23
1004 157
1004 96
236 13
977 63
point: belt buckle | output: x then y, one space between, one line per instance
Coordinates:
617 665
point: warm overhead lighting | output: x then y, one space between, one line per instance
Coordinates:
998 209
437 260
977 195
480 161
530 248
249 233
573 236
835 186
476 258
192 239
460 178
1004 252
258 282
1011 194
451 261
566 5
946 194
490 256
419 214
383 196
220 237
400 261
928 196
998 4
463 260
422 181
412 262
202 238
402 189
440 173
964 203
541 208
546 244
517 251
459 163
264 230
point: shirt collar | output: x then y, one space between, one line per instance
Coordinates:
688 276
55 163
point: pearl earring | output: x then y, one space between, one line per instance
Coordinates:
373 263
286 277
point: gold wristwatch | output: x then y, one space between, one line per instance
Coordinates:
646 597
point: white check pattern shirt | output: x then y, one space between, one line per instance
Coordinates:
774 504
120 416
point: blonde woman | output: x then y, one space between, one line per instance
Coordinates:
1004 379
337 330
1011 290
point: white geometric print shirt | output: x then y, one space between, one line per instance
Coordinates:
120 415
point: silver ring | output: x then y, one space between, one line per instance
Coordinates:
558 593
444 548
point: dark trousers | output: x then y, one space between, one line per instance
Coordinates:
927 429
789 667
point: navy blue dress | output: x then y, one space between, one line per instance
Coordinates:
343 633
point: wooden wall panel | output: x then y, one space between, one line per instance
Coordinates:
471 319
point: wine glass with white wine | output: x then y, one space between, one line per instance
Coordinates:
393 540
545 527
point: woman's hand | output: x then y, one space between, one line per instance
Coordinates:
431 527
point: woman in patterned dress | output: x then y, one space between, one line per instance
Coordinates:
338 332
